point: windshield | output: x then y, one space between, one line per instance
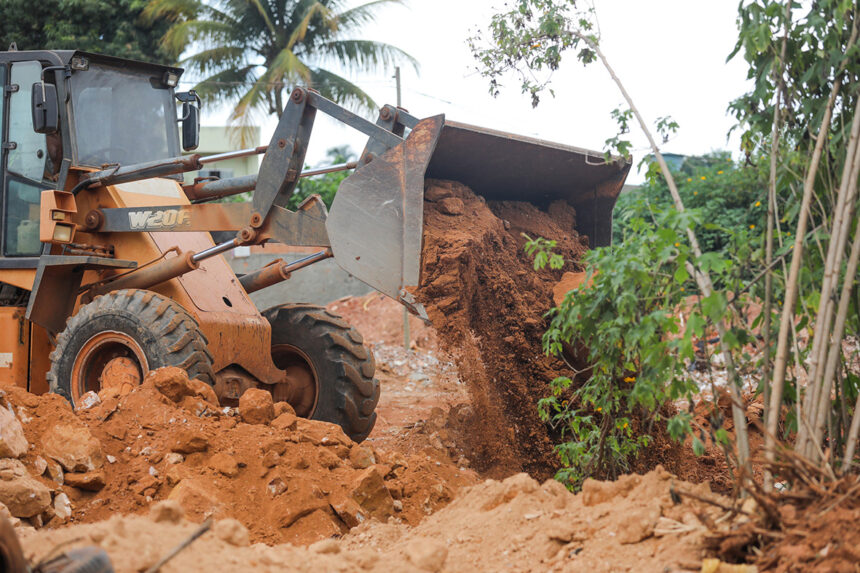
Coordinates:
122 116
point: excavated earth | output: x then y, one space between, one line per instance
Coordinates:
487 301
436 486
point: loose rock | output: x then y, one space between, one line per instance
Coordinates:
74 447
225 464
256 406
89 481
171 381
20 492
168 511
189 441
369 491
13 444
62 507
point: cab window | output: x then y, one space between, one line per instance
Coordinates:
26 156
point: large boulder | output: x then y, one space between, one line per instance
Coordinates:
13 444
74 447
171 381
20 492
256 406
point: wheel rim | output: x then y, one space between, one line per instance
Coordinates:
108 359
303 391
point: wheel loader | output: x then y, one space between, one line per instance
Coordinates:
109 268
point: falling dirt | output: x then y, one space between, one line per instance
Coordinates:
485 298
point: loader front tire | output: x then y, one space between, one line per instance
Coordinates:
122 335
322 348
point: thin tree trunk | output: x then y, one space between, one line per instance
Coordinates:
771 214
851 445
791 286
818 392
703 279
833 348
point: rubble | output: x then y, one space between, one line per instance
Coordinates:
516 524
22 494
13 444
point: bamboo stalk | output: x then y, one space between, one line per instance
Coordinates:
771 214
835 347
818 389
791 288
851 445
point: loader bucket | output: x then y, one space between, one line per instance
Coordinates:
505 167
376 221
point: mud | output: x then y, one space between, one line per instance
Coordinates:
485 298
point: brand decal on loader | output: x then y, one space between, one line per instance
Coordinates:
158 219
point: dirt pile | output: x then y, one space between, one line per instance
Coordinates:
484 296
516 524
284 478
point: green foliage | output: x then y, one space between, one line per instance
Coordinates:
541 250
111 27
529 39
323 185
637 352
248 52
730 198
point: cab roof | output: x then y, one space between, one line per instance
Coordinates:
64 58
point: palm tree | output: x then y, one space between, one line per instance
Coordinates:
254 50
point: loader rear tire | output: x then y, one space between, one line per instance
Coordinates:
340 366
133 332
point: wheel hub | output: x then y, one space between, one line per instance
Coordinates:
108 359
302 392
121 373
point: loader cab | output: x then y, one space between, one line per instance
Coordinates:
109 110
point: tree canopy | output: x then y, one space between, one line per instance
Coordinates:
252 52
112 27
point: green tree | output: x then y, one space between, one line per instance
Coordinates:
113 27
253 52
729 196
325 185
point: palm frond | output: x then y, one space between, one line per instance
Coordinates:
226 85
364 14
342 91
213 59
264 14
364 55
301 29
170 10
286 67
206 32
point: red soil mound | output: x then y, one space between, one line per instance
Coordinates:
285 479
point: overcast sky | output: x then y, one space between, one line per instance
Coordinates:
671 55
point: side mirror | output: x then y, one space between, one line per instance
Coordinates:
190 126
46 110
190 119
